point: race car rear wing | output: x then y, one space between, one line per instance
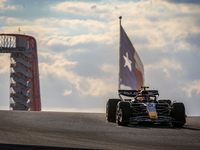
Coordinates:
153 92
129 93
133 93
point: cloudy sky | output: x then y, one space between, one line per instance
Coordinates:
78 49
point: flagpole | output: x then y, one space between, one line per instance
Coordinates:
120 18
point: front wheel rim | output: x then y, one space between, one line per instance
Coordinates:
119 115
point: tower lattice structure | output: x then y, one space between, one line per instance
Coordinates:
24 74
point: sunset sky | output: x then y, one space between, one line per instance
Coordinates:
78 49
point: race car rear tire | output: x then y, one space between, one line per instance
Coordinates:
178 113
123 113
111 109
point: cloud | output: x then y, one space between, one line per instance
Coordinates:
184 1
4 6
165 65
95 86
2 18
17 21
79 39
33 30
94 6
192 87
85 85
108 68
56 57
89 25
72 24
71 32
81 8
5 64
67 92
56 63
62 68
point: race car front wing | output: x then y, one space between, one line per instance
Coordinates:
160 119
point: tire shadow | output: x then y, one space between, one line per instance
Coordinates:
159 126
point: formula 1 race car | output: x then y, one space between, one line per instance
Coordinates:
144 107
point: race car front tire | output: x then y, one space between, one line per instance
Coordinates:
111 109
123 113
178 113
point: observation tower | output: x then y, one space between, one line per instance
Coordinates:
24 74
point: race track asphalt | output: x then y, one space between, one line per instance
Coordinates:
21 130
